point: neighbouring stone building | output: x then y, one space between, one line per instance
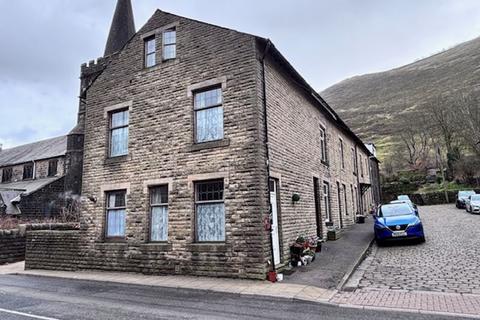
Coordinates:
196 140
32 177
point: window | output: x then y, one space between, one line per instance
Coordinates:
326 200
323 145
353 199
52 168
150 45
209 211
7 174
339 199
361 166
159 213
342 157
344 187
28 171
115 214
119 133
208 115
169 44
354 163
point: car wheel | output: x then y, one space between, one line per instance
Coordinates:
422 239
380 243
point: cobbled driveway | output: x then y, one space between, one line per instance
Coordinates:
449 261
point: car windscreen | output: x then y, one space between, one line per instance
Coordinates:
475 197
465 193
393 210
403 198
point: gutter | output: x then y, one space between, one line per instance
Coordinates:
265 122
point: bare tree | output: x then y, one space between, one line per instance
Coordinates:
467 119
443 130
416 139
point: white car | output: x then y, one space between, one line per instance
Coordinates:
472 205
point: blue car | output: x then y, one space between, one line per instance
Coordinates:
397 221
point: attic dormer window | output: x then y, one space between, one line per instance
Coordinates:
150 52
169 44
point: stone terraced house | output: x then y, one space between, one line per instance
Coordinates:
197 139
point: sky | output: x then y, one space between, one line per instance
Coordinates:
43 43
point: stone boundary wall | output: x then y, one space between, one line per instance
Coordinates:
13 242
53 250
12 246
432 198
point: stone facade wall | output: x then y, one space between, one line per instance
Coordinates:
12 246
41 169
294 121
161 151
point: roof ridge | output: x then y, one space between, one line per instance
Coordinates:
32 143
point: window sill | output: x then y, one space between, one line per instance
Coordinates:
112 244
209 247
115 160
156 246
209 145
158 66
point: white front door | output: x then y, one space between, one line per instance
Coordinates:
275 238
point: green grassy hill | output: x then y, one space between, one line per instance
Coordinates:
371 103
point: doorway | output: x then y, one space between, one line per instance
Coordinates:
273 186
318 211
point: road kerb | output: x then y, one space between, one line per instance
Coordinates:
354 266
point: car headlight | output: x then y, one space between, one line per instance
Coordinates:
416 223
379 225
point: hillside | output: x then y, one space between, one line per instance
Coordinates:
370 103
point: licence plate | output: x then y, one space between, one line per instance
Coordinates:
399 234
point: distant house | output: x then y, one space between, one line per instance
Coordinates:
32 178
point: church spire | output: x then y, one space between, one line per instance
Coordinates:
122 29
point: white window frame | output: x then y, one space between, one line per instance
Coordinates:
323 144
163 205
342 153
326 201
196 110
111 129
166 45
147 53
108 209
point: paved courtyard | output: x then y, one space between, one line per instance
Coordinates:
448 262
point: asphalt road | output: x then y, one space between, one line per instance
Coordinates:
29 297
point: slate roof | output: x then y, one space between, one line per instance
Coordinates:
28 186
6 197
45 149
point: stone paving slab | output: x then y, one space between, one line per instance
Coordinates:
417 301
334 265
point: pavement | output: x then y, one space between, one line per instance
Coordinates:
33 297
415 278
333 266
